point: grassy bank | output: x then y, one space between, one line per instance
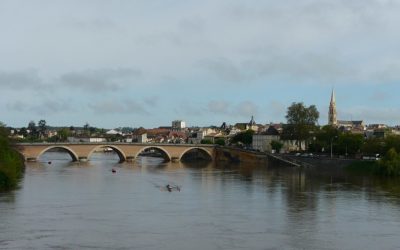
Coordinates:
11 164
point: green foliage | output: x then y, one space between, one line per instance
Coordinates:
63 134
276 145
390 163
33 133
301 121
245 137
373 146
349 144
323 137
381 146
206 141
220 142
392 141
11 165
42 127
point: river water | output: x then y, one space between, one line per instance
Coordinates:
66 205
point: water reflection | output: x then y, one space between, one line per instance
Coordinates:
220 206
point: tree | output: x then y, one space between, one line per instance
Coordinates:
32 129
301 121
42 127
390 163
220 142
11 165
373 146
86 129
23 131
245 138
349 144
206 141
63 134
276 145
392 141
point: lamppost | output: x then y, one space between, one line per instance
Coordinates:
331 146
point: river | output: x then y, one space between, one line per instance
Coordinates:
65 205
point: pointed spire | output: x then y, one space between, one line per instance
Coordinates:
252 122
332 120
333 99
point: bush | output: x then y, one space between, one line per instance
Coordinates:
11 164
390 163
220 142
205 141
276 145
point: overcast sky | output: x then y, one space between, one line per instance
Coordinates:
146 63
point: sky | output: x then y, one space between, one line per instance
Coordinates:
145 63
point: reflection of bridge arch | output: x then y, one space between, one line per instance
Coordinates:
198 148
156 147
73 155
117 150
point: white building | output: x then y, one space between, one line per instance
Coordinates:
197 136
113 132
178 125
142 138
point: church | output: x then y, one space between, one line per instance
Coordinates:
342 124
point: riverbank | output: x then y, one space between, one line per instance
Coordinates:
11 163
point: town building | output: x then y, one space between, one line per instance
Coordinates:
351 126
178 125
246 126
262 141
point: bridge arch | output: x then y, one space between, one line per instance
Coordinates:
198 148
169 158
120 153
73 155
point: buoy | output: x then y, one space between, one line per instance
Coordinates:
49 162
113 170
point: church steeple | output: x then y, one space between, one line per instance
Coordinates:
332 110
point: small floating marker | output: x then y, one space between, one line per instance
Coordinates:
49 162
113 170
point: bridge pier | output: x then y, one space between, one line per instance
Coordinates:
130 158
83 159
175 159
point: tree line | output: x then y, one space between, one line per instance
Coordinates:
11 163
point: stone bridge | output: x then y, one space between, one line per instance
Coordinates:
125 151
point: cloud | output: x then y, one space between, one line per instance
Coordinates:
219 107
151 101
94 24
246 109
223 68
20 80
45 107
118 107
243 109
101 79
379 96
371 115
